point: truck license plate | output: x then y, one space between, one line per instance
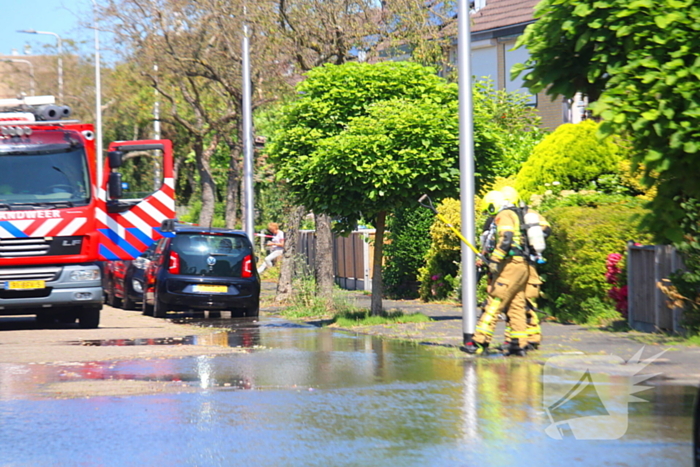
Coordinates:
210 288
24 285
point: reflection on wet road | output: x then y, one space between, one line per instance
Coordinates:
303 396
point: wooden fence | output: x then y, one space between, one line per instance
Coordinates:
352 257
648 308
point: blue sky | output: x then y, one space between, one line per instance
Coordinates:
60 16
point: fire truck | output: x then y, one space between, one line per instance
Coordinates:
58 221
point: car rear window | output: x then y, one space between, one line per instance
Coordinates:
214 255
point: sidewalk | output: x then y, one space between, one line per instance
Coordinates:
680 364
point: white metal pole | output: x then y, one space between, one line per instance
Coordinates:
31 71
98 99
59 42
156 134
466 168
247 139
60 69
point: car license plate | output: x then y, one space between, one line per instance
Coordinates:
210 288
24 285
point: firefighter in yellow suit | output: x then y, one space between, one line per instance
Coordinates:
510 270
532 291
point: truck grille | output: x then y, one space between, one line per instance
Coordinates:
14 247
45 273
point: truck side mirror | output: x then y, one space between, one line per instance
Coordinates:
114 185
115 159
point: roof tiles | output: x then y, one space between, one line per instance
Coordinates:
501 13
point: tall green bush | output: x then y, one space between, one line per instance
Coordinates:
409 240
582 237
572 156
441 264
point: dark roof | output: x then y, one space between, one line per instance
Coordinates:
499 14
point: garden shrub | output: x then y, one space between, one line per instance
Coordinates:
583 236
571 156
408 232
442 260
686 283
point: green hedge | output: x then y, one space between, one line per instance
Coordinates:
572 156
408 231
582 237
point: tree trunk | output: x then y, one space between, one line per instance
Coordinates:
291 239
377 283
206 215
232 189
324 256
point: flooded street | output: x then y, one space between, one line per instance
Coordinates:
299 395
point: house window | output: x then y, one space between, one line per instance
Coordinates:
485 64
512 57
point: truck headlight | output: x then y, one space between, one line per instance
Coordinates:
85 275
138 288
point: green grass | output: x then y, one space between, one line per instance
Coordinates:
307 304
349 319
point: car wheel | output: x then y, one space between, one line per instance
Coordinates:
89 317
128 303
159 308
252 312
112 299
146 308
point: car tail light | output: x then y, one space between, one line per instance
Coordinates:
247 266
174 265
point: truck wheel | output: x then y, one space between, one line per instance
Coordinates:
68 317
89 317
159 308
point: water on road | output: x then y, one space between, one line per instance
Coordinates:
298 395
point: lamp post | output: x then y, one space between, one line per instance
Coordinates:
466 169
98 96
60 57
31 70
249 224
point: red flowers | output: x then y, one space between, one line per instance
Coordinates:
613 276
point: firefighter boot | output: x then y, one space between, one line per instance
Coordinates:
474 348
514 349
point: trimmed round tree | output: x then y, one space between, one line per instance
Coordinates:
365 139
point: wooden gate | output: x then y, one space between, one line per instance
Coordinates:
648 308
352 257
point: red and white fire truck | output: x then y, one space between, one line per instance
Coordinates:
57 221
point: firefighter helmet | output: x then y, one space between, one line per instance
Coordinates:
510 195
493 202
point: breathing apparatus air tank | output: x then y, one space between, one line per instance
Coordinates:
535 236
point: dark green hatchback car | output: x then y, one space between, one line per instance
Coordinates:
201 268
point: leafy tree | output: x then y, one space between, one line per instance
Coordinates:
640 58
363 140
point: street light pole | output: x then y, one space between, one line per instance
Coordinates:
60 58
98 97
466 169
31 70
249 226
